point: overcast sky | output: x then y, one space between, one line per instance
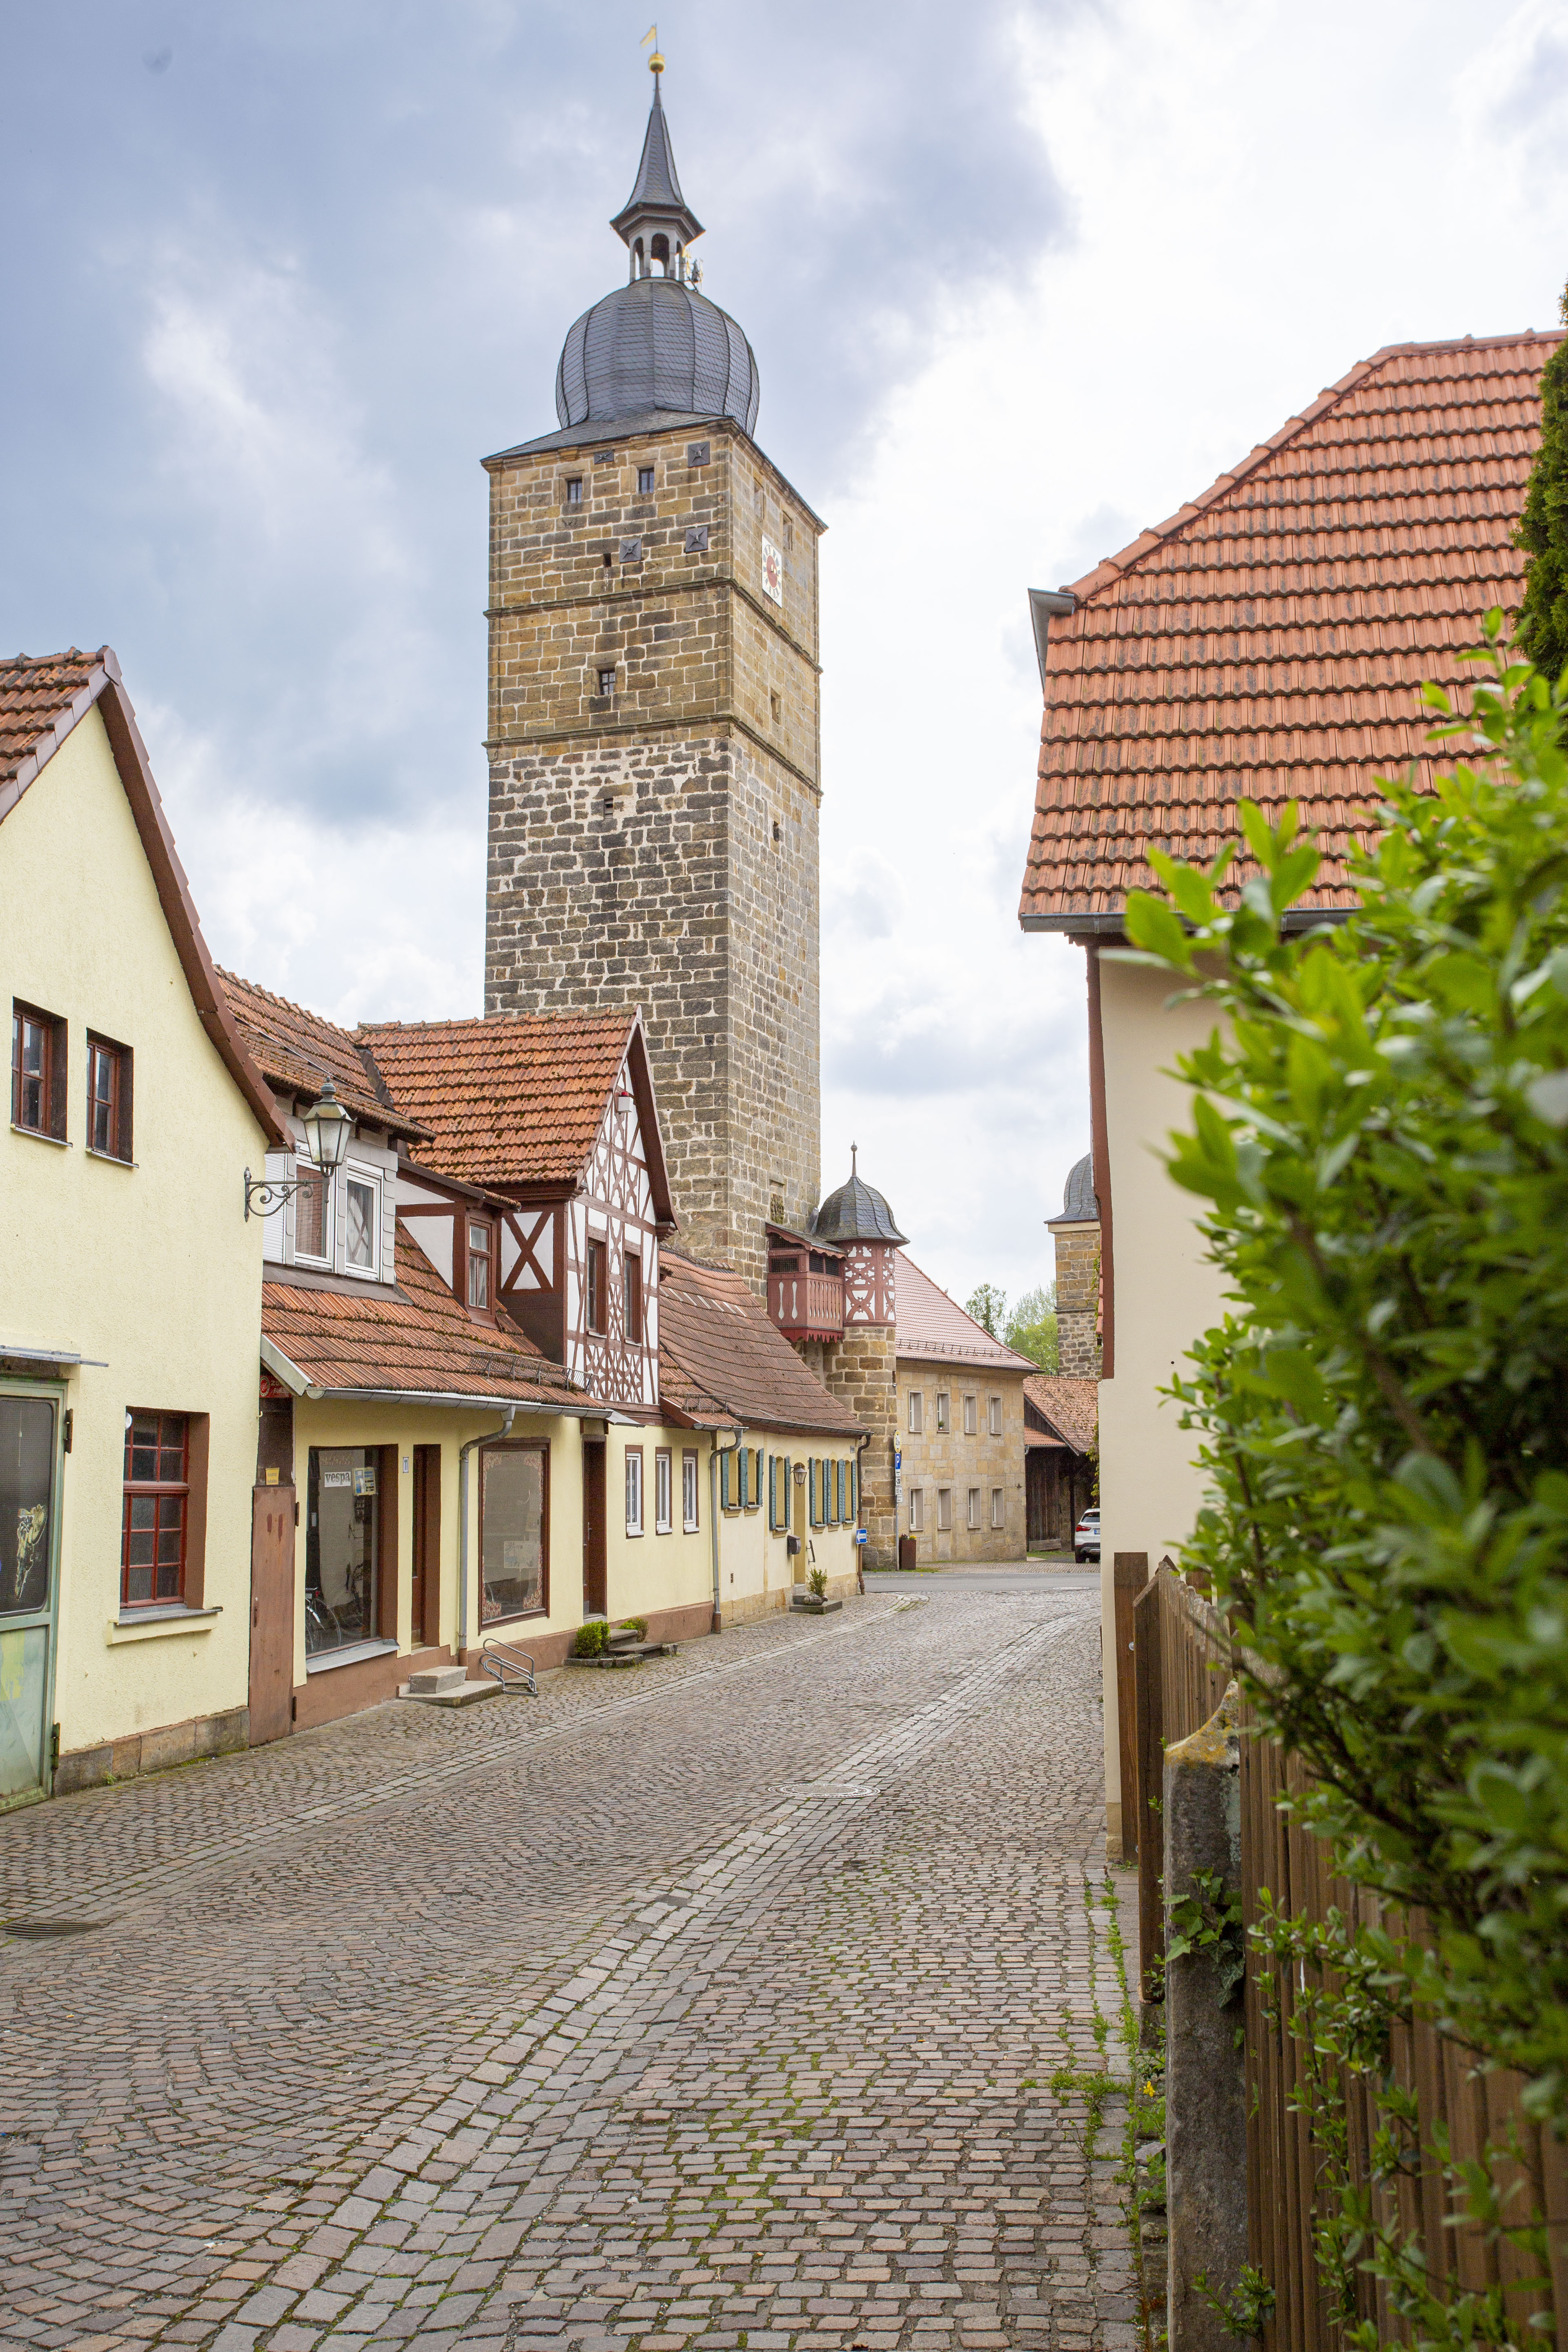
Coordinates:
1020 278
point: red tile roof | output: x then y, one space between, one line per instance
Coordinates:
1072 1406
509 1101
42 696
299 1050
933 1327
419 1343
721 1360
1268 642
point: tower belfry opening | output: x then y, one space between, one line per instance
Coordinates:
653 840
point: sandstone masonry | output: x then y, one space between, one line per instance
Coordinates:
655 787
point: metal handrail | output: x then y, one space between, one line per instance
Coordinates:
511 1667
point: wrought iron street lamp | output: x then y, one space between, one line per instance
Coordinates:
327 1127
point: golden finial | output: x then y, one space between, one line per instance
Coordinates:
655 63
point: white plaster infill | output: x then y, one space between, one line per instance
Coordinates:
149 1624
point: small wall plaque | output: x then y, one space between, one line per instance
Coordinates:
697 539
698 452
605 457
631 551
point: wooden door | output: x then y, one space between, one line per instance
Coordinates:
427 1546
596 1579
271 1615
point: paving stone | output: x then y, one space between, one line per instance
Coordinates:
723 2008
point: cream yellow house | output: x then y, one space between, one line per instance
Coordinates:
130 1276
962 1470
1267 643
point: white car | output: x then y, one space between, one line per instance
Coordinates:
1086 1536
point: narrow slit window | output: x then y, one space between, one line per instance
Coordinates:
479 1263
634 1298
998 1506
575 490
689 1492
634 1490
974 1506
662 1498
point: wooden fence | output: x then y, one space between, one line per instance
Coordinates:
1182 1665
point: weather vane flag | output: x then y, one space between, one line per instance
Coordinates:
655 63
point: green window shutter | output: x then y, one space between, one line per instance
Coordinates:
727 1479
788 1477
816 1487
757 1489
773 1490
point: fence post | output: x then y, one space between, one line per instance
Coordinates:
1150 1708
1129 1574
1206 2083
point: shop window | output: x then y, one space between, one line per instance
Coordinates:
970 1416
998 1506
312 1228
595 1286
26 1512
634 1297
662 1497
479 1263
37 1072
974 1511
917 1510
361 1218
107 1099
634 1490
155 1510
943 1509
514 1538
994 1416
943 1416
917 1413
342 1537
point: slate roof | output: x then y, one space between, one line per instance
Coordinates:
297 1050
1269 640
421 1342
656 188
1072 1407
509 1100
722 1362
933 1327
855 1213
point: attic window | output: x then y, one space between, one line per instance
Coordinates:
644 481
606 681
574 490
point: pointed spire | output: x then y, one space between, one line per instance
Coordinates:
655 207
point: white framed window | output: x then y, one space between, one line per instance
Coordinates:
943 1509
917 1509
689 1492
634 1490
312 1216
942 1412
971 1416
974 1512
662 1496
917 1413
993 1415
361 1221
998 1506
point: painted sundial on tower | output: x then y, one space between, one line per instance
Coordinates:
773 572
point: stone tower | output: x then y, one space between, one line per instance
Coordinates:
654 735
862 1368
1076 1236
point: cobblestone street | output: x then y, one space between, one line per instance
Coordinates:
715 2001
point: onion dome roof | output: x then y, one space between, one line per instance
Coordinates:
855 1213
1079 1199
656 343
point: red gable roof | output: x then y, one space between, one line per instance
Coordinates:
1268 642
300 1050
722 1360
519 1098
932 1327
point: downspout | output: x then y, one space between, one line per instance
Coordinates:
484 1438
860 1518
714 1451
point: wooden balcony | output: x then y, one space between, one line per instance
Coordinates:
803 1303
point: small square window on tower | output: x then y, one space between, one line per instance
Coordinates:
574 490
606 681
644 481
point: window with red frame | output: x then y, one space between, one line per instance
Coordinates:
107 1099
37 1072
156 1508
596 1270
634 1297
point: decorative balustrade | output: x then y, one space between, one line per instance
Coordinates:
803 1303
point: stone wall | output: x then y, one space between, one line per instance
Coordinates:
861 1368
657 844
937 1461
1078 1298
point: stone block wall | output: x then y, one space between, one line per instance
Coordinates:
657 844
861 1368
937 1459
1078 1298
